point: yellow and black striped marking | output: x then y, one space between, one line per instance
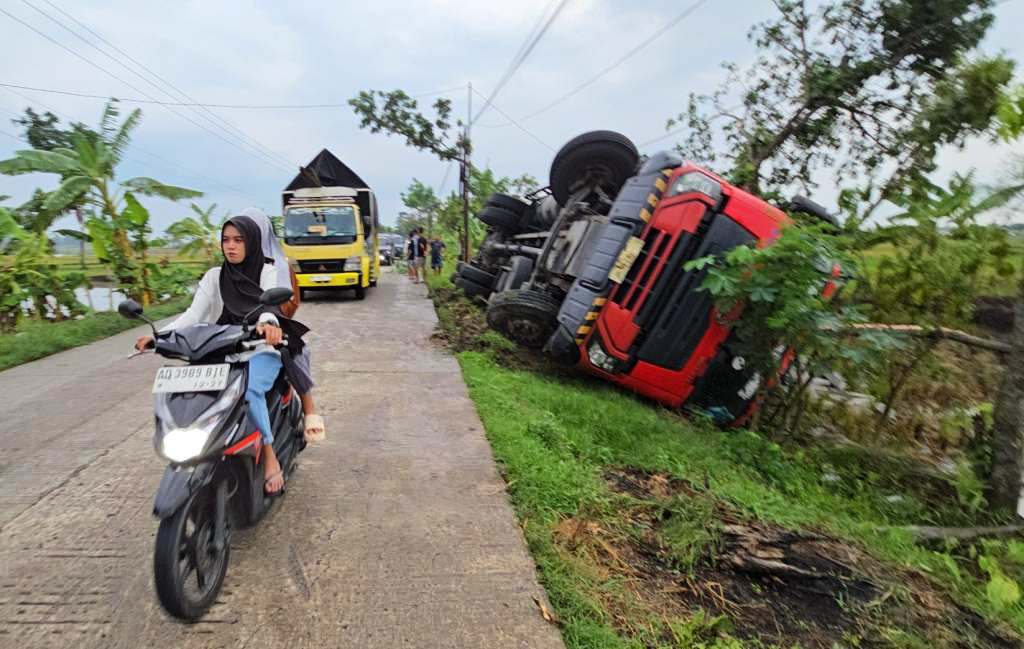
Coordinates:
660 185
588 321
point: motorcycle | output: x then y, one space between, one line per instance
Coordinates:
214 480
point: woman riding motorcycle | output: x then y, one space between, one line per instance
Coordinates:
297 365
225 295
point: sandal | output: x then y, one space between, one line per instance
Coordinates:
315 430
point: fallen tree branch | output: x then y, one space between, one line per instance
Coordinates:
937 333
927 534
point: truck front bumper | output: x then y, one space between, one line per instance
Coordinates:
329 280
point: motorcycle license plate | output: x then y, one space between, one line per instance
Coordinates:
191 378
626 259
320 278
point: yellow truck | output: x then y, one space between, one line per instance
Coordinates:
330 227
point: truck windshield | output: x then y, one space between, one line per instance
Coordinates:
320 225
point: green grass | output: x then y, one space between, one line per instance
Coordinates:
34 340
97 270
557 438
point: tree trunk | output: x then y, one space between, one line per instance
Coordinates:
81 242
1008 425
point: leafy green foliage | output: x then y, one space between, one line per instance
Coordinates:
776 296
870 88
397 113
86 162
198 235
937 255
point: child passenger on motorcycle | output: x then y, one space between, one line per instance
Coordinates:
225 295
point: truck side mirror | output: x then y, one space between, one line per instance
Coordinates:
804 205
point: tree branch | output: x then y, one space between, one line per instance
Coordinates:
935 333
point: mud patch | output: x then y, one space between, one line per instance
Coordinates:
775 586
463 327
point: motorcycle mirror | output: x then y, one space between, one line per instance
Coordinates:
130 309
275 296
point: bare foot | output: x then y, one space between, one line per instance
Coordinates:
272 470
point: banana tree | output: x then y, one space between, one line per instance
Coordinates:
88 177
199 233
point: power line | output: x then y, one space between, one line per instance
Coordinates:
180 92
258 147
130 85
517 124
622 59
135 147
135 100
520 58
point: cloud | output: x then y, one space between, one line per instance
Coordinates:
315 52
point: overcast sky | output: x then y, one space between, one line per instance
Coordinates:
303 52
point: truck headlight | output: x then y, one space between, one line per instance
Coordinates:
354 264
600 358
696 181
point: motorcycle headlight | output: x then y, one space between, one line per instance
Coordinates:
183 444
354 263
600 358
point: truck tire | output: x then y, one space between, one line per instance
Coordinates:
606 156
508 202
500 219
471 289
526 316
477 275
360 292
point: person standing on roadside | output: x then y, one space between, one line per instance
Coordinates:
416 251
437 249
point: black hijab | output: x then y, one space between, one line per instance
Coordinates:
240 283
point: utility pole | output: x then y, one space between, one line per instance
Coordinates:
464 175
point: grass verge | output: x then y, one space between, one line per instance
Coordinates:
651 530
34 340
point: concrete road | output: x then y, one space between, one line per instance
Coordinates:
396 532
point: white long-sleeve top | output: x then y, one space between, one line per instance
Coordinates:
207 303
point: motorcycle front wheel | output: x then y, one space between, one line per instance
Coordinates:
187 567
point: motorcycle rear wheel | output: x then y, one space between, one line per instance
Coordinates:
187 569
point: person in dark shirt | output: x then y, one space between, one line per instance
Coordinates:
437 249
416 251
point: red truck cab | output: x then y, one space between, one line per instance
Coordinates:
656 333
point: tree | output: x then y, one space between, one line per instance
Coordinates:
421 199
397 113
44 133
199 233
871 88
120 229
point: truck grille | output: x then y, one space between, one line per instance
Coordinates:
656 244
322 266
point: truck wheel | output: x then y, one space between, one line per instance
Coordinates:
510 203
500 219
526 316
360 292
471 289
477 275
606 157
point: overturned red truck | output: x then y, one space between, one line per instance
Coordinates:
592 270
